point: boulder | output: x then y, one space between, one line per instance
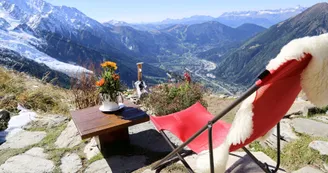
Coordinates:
321 146
310 127
300 107
70 163
69 137
4 119
31 161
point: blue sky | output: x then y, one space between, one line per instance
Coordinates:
157 10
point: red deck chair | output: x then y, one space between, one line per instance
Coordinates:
275 90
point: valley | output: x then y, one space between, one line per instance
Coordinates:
222 53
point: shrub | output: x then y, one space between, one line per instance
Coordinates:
169 98
315 111
83 87
85 91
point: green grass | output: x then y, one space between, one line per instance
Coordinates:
7 153
296 154
176 168
96 158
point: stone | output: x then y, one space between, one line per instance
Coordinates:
310 127
69 137
30 161
286 133
300 107
99 166
327 113
308 169
321 118
4 119
36 152
49 121
70 163
23 139
91 149
321 146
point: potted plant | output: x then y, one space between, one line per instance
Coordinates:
109 87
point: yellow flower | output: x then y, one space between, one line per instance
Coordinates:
109 64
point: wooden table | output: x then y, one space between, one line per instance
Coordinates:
110 130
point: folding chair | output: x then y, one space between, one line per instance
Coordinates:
267 101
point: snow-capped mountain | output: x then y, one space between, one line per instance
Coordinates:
264 18
61 36
40 15
18 21
188 20
261 13
116 23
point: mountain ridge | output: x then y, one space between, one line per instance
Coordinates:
252 56
264 18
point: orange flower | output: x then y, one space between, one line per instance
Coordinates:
116 76
109 64
101 82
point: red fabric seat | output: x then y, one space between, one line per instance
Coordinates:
185 123
274 98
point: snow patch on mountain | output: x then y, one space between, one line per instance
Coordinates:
296 10
24 44
19 19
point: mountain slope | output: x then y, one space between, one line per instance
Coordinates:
212 33
219 50
13 60
242 65
45 33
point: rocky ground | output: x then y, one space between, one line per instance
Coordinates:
50 143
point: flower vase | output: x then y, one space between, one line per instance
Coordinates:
108 104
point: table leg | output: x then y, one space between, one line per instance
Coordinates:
113 142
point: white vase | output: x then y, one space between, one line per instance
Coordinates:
108 104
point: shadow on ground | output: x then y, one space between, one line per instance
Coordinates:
146 147
246 164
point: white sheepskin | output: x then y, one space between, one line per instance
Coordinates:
314 82
314 79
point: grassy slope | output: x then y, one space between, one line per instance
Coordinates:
19 88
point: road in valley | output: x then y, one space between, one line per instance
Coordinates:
196 72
